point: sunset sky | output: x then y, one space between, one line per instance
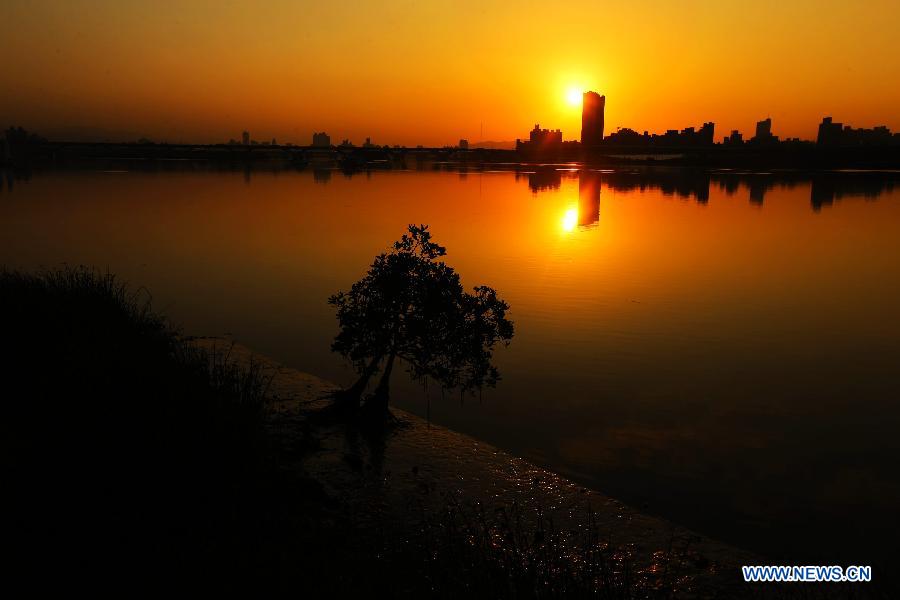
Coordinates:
432 72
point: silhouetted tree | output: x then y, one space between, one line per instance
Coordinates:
412 307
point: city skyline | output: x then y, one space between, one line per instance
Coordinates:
829 132
124 70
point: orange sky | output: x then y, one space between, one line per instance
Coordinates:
431 72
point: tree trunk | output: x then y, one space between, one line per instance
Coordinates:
350 397
377 404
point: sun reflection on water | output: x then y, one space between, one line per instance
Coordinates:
570 220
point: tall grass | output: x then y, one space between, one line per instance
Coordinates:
132 459
125 450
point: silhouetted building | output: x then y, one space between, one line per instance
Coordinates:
544 137
321 140
735 139
704 137
245 138
829 132
671 138
628 137
592 107
764 132
541 139
463 144
837 134
368 143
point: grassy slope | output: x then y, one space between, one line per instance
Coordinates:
128 455
133 460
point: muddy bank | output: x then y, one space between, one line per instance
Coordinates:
419 476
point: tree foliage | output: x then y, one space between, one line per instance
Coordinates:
411 306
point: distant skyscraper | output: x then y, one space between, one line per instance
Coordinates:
592 108
764 133
735 139
463 144
321 140
836 134
705 135
245 138
544 137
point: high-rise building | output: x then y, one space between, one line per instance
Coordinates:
735 139
592 107
837 134
764 133
544 137
705 134
321 139
245 138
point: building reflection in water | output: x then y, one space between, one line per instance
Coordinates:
828 187
825 188
322 175
588 198
543 179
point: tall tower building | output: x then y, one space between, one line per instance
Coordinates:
764 129
592 107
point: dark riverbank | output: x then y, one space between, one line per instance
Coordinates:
136 458
421 486
795 156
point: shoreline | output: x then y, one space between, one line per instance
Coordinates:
394 483
784 155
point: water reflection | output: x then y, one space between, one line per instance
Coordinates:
690 184
322 175
9 177
720 361
570 219
588 198
543 179
825 188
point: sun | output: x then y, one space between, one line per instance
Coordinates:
573 96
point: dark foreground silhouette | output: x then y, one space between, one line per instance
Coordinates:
128 455
411 307
133 460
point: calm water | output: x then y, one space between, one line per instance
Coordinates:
719 352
